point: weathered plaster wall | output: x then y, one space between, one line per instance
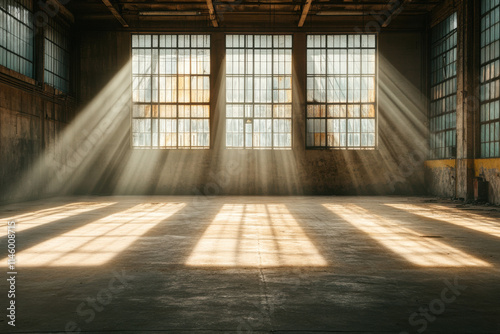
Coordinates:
489 169
30 119
441 177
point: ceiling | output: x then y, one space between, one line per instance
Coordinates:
140 14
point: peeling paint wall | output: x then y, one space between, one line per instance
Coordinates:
489 169
440 176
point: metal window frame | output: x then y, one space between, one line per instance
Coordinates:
30 28
59 28
488 123
177 103
326 118
272 118
449 150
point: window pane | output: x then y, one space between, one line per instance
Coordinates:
490 79
57 46
341 91
258 91
171 91
443 89
16 36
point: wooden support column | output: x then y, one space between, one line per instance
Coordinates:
299 63
466 101
217 91
38 75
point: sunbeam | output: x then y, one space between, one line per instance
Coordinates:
255 235
488 225
403 241
77 153
100 241
38 218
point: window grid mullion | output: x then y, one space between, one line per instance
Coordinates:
347 99
342 119
266 100
173 116
489 142
177 123
190 88
245 42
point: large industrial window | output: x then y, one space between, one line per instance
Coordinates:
341 91
259 91
171 91
16 36
490 79
57 44
443 106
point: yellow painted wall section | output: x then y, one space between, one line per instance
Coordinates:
446 163
480 164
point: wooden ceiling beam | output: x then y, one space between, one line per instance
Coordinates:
305 10
395 12
115 13
64 11
211 11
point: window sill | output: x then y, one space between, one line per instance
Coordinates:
19 80
16 75
342 148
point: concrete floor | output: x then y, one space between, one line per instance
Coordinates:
254 265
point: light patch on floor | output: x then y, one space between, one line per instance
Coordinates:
255 235
98 242
41 217
454 216
403 241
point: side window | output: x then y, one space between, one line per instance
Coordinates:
443 112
